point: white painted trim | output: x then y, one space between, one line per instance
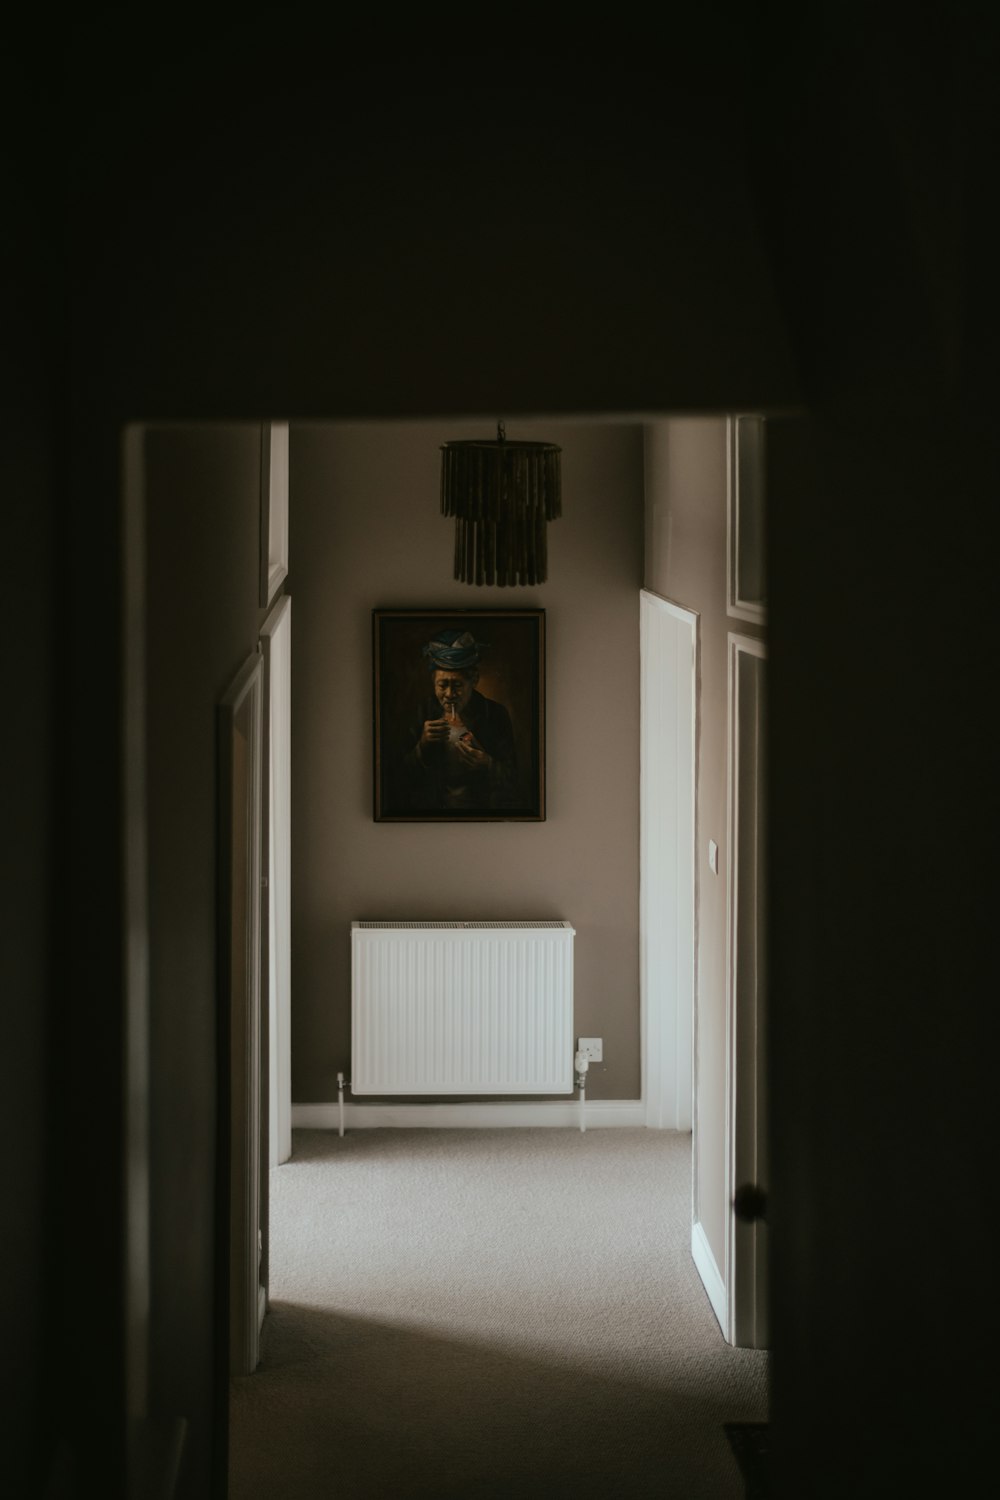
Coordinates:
711 1278
668 802
276 640
742 609
240 721
559 1113
273 509
741 1030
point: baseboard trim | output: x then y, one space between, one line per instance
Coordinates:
710 1275
556 1112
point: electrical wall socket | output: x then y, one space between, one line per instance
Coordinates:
592 1047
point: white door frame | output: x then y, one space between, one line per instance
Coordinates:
276 639
668 644
746 1243
241 743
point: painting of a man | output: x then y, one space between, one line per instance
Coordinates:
463 752
458 747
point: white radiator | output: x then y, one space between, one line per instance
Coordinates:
462 1007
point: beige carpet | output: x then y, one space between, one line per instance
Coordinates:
468 1314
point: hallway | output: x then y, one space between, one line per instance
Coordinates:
488 1314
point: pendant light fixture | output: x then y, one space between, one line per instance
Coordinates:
502 495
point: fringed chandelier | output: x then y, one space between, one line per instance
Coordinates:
502 496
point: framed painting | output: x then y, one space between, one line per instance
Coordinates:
459 715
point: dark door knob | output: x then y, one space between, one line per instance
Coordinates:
749 1203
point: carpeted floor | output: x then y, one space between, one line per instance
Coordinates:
489 1315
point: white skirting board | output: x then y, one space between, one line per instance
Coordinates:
711 1277
558 1112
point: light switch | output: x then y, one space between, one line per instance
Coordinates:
713 856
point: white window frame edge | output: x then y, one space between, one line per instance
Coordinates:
279 1007
737 608
273 509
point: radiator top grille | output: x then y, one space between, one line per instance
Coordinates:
516 926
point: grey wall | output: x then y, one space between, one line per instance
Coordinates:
685 560
29 958
202 510
366 531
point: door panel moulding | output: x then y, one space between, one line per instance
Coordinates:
744 1270
276 640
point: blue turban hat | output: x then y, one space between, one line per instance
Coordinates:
454 650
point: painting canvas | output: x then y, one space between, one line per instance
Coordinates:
459 705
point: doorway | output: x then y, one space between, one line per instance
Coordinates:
214 535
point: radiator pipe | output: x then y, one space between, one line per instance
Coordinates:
340 1101
582 1063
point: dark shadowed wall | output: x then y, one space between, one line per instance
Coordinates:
33 964
202 494
715 220
266 228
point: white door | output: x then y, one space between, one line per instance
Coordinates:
668 636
